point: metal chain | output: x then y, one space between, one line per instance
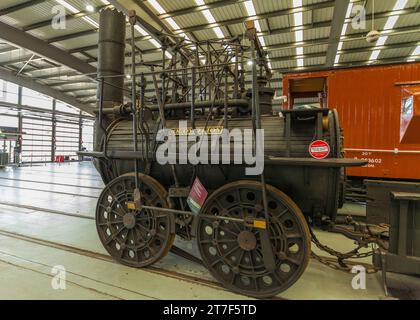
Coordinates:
341 263
334 264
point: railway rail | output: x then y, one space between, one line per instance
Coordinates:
57 192
51 183
107 258
327 261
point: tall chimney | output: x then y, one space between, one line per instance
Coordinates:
111 55
111 66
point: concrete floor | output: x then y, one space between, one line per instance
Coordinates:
46 220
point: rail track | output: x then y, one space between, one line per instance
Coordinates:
49 191
87 253
51 183
96 255
104 257
64 175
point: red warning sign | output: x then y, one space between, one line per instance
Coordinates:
319 149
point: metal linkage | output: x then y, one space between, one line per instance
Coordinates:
363 234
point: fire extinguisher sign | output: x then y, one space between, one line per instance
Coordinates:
319 149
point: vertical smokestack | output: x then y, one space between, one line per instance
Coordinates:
110 65
111 55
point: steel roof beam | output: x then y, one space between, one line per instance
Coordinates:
69 17
293 45
72 35
364 62
26 41
276 13
194 9
339 17
16 106
41 88
156 19
20 6
55 83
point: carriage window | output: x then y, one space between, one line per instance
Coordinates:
407 106
308 93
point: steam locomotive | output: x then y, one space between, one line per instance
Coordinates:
251 230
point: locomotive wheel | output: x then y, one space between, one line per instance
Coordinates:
232 251
136 238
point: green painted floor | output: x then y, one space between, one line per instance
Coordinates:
27 256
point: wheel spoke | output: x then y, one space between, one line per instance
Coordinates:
227 230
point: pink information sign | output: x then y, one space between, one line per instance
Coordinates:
197 196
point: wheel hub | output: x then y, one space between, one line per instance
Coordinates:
247 240
129 220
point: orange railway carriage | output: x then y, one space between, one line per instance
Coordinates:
370 102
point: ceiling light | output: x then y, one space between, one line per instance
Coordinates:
390 23
400 5
90 8
155 43
74 10
249 6
299 35
172 23
343 33
299 51
250 9
344 30
218 32
128 76
300 63
374 55
141 30
170 20
157 6
381 40
411 60
416 51
298 17
349 9
262 41
67 6
185 36
210 19
297 3
337 59
91 22
249 62
207 14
